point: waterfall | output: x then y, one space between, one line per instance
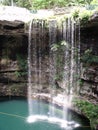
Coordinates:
40 74
35 44
52 62
66 68
78 57
72 62
12 3
29 71
66 38
71 66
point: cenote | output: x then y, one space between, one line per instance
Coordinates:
51 60
14 116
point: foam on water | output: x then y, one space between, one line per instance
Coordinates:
63 123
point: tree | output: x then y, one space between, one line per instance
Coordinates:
5 2
23 3
44 4
94 2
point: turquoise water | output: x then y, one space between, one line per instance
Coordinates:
14 114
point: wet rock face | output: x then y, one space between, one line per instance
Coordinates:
89 71
89 88
13 65
12 55
13 59
89 39
11 28
90 75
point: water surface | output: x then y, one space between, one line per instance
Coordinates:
14 114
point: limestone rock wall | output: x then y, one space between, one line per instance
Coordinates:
13 57
89 59
13 62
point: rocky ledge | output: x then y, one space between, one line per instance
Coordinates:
14 20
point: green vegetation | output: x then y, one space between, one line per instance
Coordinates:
60 45
89 110
83 15
80 82
39 4
22 62
84 8
93 4
84 12
58 49
21 3
88 58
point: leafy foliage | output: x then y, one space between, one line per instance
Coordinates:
5 2
22 62
80 82
38 4
88 109
75 13
94 2
44 4
61 45
58 49
89 58
83 14
21 3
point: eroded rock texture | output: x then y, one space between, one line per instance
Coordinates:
89 58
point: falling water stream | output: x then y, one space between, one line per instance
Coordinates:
35 45
71 63
72 58
52 62
29 71
12 3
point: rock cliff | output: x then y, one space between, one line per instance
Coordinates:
13 55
